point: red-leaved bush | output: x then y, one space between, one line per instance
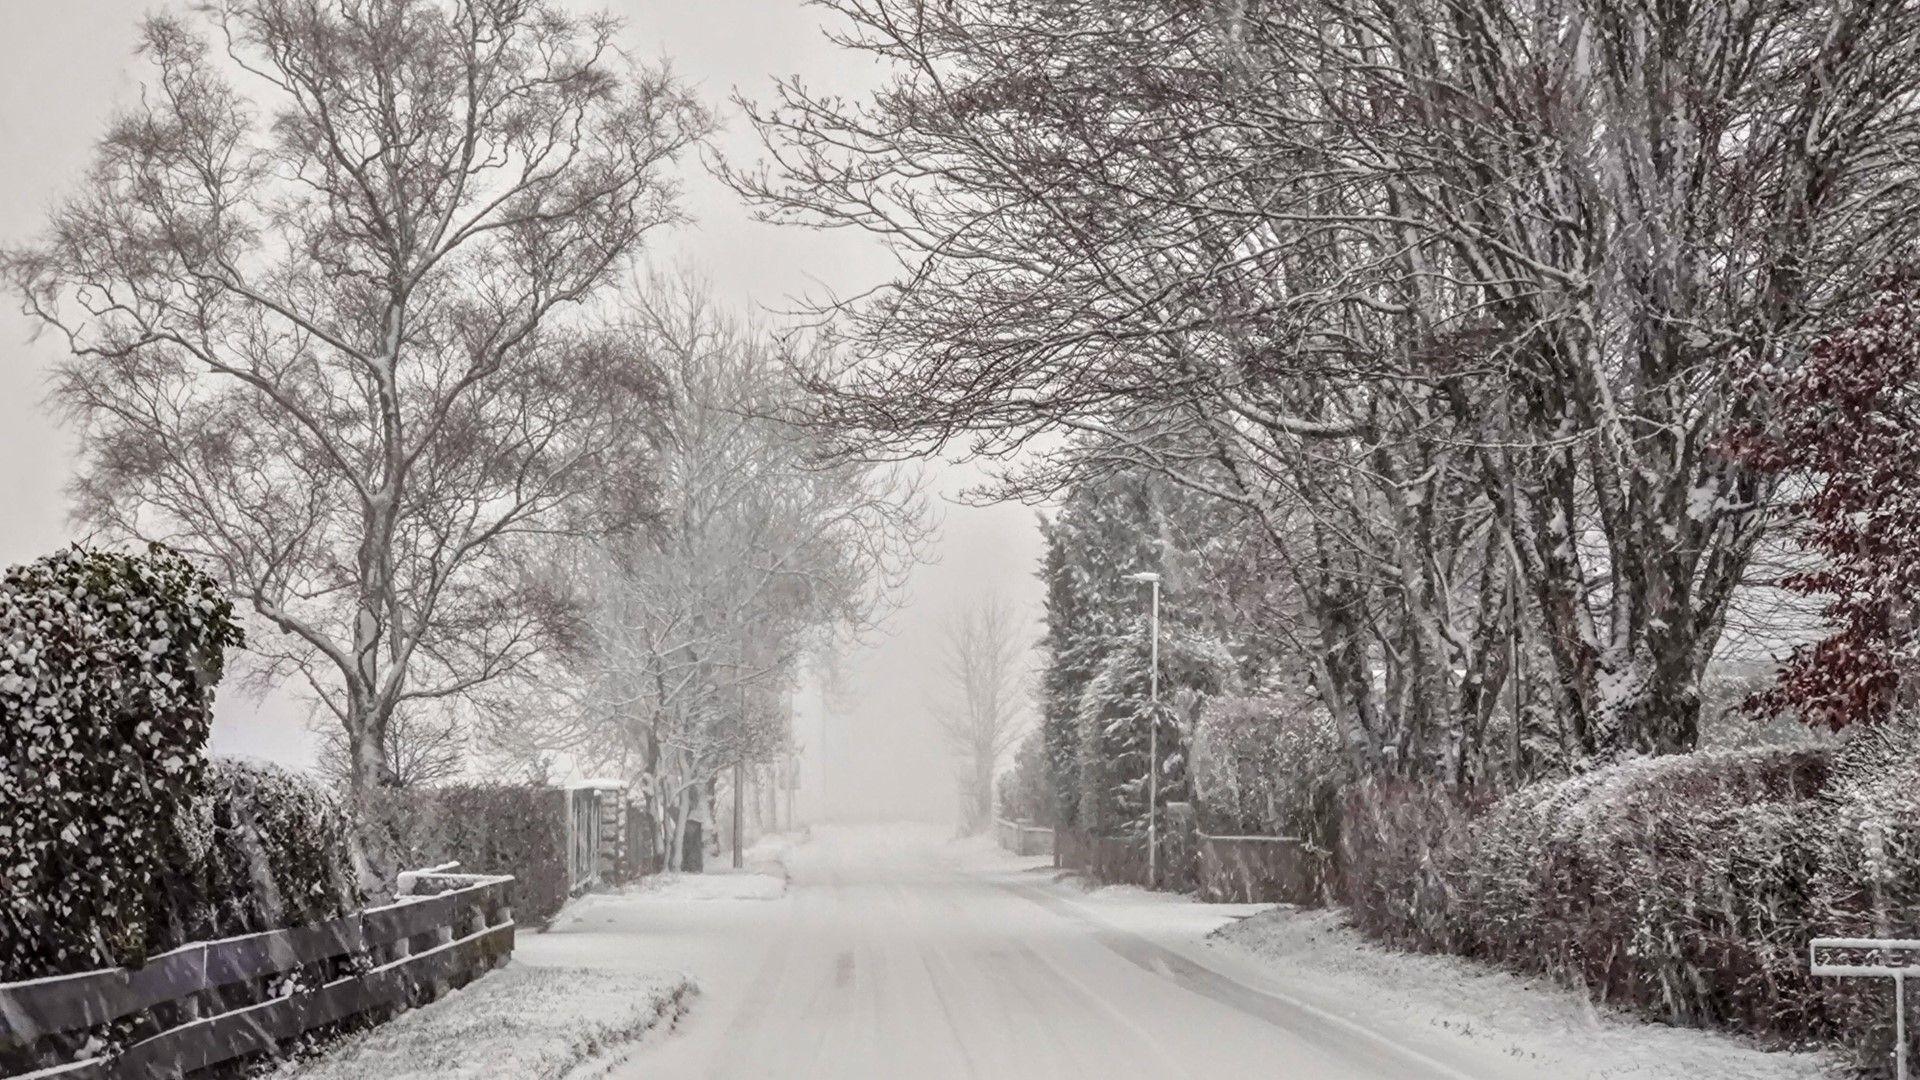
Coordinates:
1844 439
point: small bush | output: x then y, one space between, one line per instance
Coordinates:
260 848
1868 881
1025 793
1402 853
490 829
1118 726
107 668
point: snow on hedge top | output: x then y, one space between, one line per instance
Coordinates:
603 783
107 668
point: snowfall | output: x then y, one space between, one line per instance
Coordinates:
897 952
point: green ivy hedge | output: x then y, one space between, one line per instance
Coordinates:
277 851
107 668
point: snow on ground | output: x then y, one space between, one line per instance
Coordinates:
982 853
900 952
773 849
743 884
526 1022
1314 957
1531 1019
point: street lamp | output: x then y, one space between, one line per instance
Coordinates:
1153 736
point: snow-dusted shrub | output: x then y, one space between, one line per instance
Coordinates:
1675 884
1868 882
279 853
1678 885
1402 845
1684 886
1267 767
517 829
1025 791
1116 726
107 669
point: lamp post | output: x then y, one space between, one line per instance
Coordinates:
1153 730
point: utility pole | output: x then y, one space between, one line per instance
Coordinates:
738 789
1153 730
739 811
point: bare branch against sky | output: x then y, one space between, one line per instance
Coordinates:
960 538
67 67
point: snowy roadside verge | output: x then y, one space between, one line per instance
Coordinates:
539 1023
1454 1010
748 884
763 878
1534 1021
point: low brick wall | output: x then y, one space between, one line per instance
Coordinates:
1257 869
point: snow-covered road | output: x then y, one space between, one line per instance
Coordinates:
890 957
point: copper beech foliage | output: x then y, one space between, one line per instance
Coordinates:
1845 431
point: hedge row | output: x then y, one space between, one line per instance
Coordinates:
277 852
257 848
490 829
107 669
1268 766
1024 794
1684 887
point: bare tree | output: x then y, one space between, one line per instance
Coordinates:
984 707
1433 291
325 329
759 551
425 745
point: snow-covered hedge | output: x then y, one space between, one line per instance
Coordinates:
277 852
1267 767
490 829
1684 886
1116 727
107 669
1868 884
1679 885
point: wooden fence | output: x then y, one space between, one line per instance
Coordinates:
212 1001
1021 838
1255 869
1110 860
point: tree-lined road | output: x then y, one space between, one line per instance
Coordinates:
886 959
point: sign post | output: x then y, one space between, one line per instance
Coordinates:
1884 958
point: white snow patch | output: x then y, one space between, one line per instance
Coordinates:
1530 1020
536 1023
773 849
982 854
713 885
598 783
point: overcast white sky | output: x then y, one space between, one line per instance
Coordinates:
65 66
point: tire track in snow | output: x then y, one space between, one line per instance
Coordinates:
1297 1017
